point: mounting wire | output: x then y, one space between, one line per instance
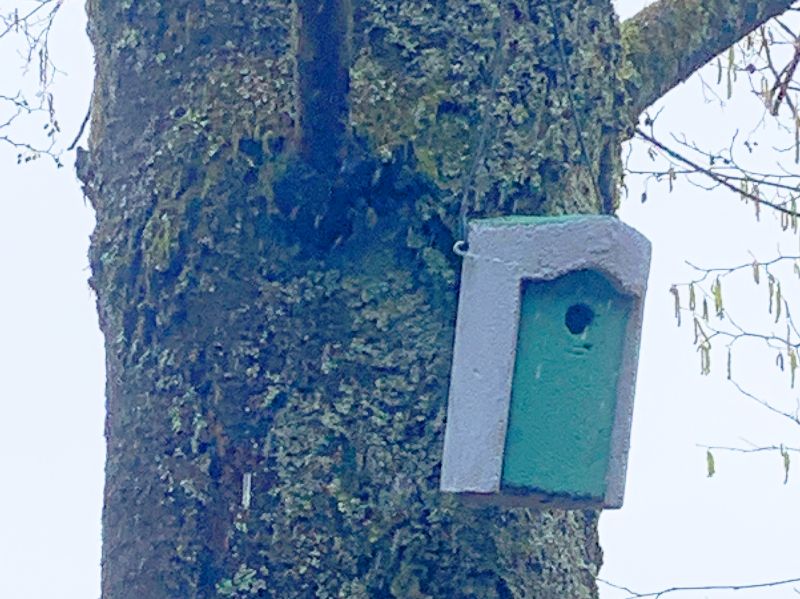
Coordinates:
575 119
461 247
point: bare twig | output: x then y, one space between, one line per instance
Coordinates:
759 449
33 30
713 175
713 587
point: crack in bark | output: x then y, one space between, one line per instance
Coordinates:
323 52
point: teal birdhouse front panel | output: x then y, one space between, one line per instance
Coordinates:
544 363
564 387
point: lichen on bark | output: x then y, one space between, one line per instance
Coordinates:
495 99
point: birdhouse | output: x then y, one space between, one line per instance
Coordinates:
544 361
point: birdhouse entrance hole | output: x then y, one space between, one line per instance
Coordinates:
579 316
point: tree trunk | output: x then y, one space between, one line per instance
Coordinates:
278 186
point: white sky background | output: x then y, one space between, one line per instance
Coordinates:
51 354
677 527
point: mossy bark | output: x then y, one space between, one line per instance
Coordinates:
276 286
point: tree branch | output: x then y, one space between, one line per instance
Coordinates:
722 587
720 179
670 39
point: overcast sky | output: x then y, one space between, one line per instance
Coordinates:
677 527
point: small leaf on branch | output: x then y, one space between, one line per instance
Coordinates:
705 358
716 291
692 298
729 363
771 289
777 301
674 291
731 58
756 272
766 93
779 361
786 464
792 364
796 140
710 468
705 309
757 202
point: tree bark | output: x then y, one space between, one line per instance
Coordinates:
278 186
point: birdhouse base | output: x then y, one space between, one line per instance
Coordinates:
540 500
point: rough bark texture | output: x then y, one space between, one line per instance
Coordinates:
276 286
670 39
